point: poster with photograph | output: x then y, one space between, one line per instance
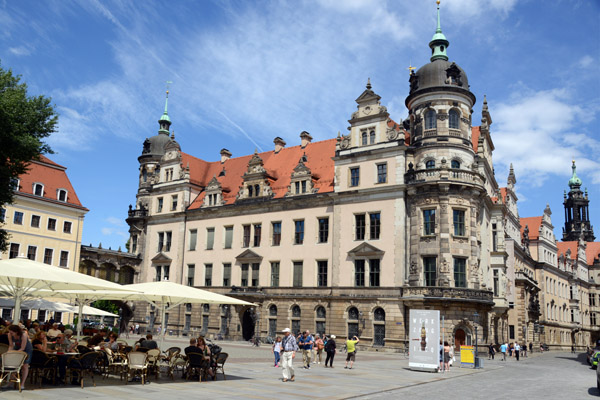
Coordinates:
424 340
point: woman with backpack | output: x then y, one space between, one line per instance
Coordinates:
320 346
330 349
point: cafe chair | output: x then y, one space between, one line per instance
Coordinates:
117 363
81 365
196 365
154 361
42 366
11 367
137 365
220 364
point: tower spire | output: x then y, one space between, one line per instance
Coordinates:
574 182
164 121
438 43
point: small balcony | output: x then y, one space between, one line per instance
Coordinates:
449 293
443 174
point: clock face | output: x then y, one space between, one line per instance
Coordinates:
171 155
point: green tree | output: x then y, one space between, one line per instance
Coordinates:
24 122
106 305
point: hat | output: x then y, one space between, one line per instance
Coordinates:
68 332
286 330
332 336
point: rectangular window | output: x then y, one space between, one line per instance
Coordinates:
133 246
428 222
190 274
159 205
174 202
208 274
14 250
374 272
359 226
354 176
168 241
459 222
2 214
382 173
38 189
299 232
246 238
275 274
276 233
67 225
193 239
297 277
374 226
511 331
18 218
359 273
64 258
166 270
226 274
429 266
257 233
31 252
35 221
161 241
303 184
323 230
255 274
48 253
228 237
158 273
210 238
494 238
245 268
460 272
496 283
321 273
51 224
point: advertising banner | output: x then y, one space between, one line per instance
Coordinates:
424 340
467 356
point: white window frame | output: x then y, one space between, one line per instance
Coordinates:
35 184
58 191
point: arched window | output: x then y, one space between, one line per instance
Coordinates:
206 307
353 313
372 137
321 313
453 119
379 314
250 190
364 138
353 322
430 164
379 327
320 320
295 319
273 310
430 120
455 164
256 190
296 313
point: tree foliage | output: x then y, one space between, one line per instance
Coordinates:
106 305
24 122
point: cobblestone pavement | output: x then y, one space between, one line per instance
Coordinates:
376 375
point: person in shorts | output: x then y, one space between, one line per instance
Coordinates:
351 347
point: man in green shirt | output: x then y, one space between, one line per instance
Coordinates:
351 347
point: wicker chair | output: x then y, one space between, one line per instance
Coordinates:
12 361
154 361
220 364
173 361
117 363
196 365
81 365
137 365
42 366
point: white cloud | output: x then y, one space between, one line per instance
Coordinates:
117 228
19 51
585 61
533 131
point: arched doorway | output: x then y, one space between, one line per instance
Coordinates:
248 323
460 338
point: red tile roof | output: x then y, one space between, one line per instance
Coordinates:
475 137
592 251
279 167
53 176
564 246
533 223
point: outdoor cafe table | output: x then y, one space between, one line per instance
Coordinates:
62 362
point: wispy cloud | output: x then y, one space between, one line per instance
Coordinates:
116 227
19 51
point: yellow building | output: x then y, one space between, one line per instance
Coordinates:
45 221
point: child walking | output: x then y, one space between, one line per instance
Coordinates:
277 350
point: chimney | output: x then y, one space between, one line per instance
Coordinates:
306 139
225 155
279 144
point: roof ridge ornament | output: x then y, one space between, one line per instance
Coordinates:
369 84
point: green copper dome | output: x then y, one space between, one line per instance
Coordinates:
574 182
438 43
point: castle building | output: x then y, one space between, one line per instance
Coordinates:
345 236
45 221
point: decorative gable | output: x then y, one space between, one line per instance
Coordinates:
255 180
301 179
161 258
248 256
214 194
366 250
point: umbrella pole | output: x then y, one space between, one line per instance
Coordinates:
80 319
163 327
17 310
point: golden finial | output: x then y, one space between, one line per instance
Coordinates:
411 68
438 2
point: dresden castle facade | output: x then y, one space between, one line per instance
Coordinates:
345 236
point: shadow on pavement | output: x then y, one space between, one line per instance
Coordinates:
594 392
582 358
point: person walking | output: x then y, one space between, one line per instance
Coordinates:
530 347
503 349
491 352
288 349
517 349
277 350
306 344
524 350
319 345
351 347
446 356
330 349
18 340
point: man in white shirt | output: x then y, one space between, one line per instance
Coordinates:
288 353
54 331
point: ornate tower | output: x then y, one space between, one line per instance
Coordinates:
577 214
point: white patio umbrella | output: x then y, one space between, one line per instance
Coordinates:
43 304
163 295
22 278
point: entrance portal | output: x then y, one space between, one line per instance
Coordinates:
248 323
459 339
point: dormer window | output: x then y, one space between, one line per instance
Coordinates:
455 164
14 184
364 139
430 120
300 187
61 195
38 189
430 164
453 118
372 137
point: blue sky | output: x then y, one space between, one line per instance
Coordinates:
244 72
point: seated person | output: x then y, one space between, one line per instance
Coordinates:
54 331
148 343
205 350
192 348
35 328
95 340
40 342
62 344
69 339
112 342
